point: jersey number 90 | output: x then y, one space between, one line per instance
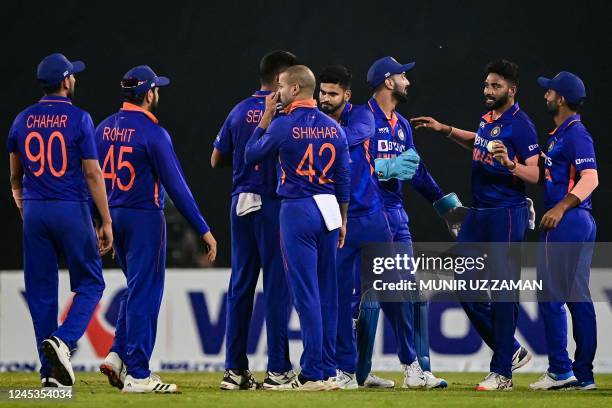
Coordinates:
46 154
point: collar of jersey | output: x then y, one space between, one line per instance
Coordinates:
261 94
134 108
509 113
55 98
566 123
302 103
377 110
347 108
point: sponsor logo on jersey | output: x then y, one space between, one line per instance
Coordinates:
383 130
383 146
585 160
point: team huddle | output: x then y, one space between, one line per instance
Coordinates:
313 182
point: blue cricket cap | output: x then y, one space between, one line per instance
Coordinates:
383 68
140 79
55 67
565 84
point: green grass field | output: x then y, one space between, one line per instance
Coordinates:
201 389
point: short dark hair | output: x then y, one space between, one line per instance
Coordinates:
134 99
273 63
336 74
504 68
575 106
51 89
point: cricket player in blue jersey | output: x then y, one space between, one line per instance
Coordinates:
254 216
54 161
570 177
392 139
314 183
140 165
367 222
500 211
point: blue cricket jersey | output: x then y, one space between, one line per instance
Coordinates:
392 137
311 149
358 124
493 185
569 150
51 138
259 178
139 164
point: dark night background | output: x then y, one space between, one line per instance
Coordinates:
211 53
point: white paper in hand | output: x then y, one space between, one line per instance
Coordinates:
330 210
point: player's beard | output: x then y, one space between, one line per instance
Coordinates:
328 108
400 95
70 92
494 103
552 108
155 104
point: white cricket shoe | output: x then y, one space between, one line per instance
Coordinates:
50 382
58 354
374 381
431 381
413 375
493 382
114 368
274 380
151 384
521 357
550 381
297 385
345 380
331 384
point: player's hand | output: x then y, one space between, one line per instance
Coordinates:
552 218
105 237
271 102
342 236
429 123
211 246
500 153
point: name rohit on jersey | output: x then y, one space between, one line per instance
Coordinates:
46 121
117 134
317 132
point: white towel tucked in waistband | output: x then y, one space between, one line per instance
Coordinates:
330 210
532 214
248 203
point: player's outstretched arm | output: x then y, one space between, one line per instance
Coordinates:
170 173
17 181
464 138
97 189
